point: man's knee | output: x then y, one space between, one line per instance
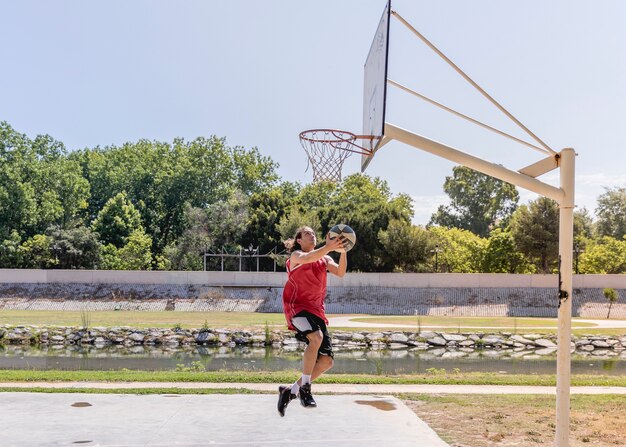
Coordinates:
325 362
315 339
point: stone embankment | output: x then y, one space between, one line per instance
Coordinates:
443 344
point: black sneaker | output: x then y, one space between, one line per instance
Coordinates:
284 397
306 399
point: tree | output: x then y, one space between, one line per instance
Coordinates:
479 202
535 230
134 255
606 255
367 205
460 250
75 248
266 209
185 254
296 218
161 178
37 254
226 220
408 245
39 186
117 220
501 256
11 255
611 213
611 295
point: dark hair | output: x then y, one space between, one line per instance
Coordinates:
292 244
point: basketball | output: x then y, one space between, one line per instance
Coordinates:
348 234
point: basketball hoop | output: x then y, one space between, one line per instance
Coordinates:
327 149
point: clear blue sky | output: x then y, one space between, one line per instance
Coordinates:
257 72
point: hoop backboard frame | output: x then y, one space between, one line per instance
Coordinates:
525 177
375 86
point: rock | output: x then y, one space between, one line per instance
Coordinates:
545 351
137 337
600 344
452 337
587 348
545 343
520 339
375 336
532 336
427 334
492 340
57 339
399 338
436 341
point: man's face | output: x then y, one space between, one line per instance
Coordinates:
307 238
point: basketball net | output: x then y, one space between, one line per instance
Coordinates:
327 149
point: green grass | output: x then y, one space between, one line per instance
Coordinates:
455 322
159 319
208 377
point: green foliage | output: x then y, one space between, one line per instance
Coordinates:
75 248
37 254
535 230
195 239
367 205
161 179
409 245
226 220
296 218
117 220
460 250
266 209
604 255
11 254
611 212
196 366
39 186
135 255
478 202
85 319
500 255
611 295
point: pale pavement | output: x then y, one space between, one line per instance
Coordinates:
325 388
348 322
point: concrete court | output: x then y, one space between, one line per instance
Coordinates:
116 420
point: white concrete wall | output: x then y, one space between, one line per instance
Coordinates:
270 279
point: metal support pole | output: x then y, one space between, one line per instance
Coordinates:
478 164
566 241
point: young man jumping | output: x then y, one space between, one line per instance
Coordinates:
303 303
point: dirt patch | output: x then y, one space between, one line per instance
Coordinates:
514 420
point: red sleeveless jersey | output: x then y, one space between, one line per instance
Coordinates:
305 290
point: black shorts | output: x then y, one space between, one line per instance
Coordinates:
305 323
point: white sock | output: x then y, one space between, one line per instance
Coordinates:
295 388
306 379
